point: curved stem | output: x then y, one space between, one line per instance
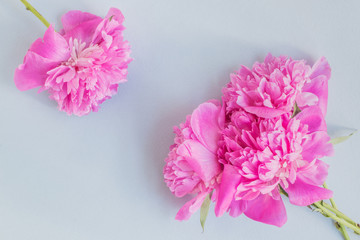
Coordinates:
339 214
342 227
36 13
336 218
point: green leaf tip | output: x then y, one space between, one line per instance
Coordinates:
204 210
341 139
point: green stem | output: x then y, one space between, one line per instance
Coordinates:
342 227
338 213
328 213
36 13
331 199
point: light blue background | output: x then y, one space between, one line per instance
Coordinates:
100 176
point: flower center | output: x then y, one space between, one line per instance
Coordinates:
82 56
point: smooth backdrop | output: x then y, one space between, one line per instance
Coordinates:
99 177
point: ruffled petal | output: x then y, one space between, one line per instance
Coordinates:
267 210
205 124
80 25
53 46
314 174
74 18
229 181
115 14
303 194
319 75
237 207
201 160
191 206
317 145
312 116
108 26
264 112
33 72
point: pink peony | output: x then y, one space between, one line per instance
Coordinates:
82 65
271 89
192 166
261 154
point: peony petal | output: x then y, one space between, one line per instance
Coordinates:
303 194
306 99
267 210
115 14
317 145
264 112
75 18
313 117
191 206
201 160
53 46
315 174
229 181
205 124
237 207
319 75
80 25
33 72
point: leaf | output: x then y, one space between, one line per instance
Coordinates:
296 110
341 138
204 210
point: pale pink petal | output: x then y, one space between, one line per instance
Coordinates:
52 46
315 174
191 206
229 181
205 124
306 99
33 72
317 145
303 194
319 75
201 160
267 210
265 112
312 116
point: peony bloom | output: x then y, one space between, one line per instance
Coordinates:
271 89
261 154
80 66
192 166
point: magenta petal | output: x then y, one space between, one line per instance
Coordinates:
201 160
79 25
237 207
315 174
303 194
317 145
73 19
319 75
267 210
53 46
312 116
191 206
205 124
229 181
33 72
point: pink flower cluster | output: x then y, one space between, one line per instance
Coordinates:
82 65
249 149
